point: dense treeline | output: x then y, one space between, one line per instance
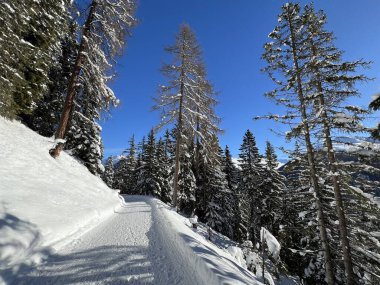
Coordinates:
54 70
55 65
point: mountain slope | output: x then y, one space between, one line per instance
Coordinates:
44 203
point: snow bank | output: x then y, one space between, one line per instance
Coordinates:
273 245
44 203
208 263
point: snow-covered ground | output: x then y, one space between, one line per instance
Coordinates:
44 203
59 224
143 243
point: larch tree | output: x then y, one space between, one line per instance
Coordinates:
286 57
102 39
330 81
187 99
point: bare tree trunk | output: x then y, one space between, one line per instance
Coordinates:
337 190
312 165
71 89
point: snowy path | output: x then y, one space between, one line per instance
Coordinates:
125 249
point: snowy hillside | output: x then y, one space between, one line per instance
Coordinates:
60 224
44 202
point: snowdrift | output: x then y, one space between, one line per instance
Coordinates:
208 263
44 203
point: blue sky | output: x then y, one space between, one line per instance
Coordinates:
231 34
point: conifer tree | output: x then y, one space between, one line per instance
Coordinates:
286 56
187 99
300 246
147 179
273 189
220 199
131 165
186 178
30 32
375 105
163 171
109 173
331 82
250 184
233 177
45 117
83 136
120 174
101 40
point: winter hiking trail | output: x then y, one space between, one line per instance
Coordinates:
127 248
143 242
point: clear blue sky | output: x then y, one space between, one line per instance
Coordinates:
231 34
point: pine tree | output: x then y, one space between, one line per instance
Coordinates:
187 100
30 33
102 39
109 173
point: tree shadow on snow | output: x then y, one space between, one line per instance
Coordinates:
100 265
20 246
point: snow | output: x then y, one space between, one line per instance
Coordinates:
237 254
45 203
144 242
215 264
274 246
61 225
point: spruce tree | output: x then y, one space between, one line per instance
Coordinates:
273 189
120 177
109 173
83 136
163 171
148 179
220 199
233 177
186 179
252 173
131 165
300 245
30 34
45 117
